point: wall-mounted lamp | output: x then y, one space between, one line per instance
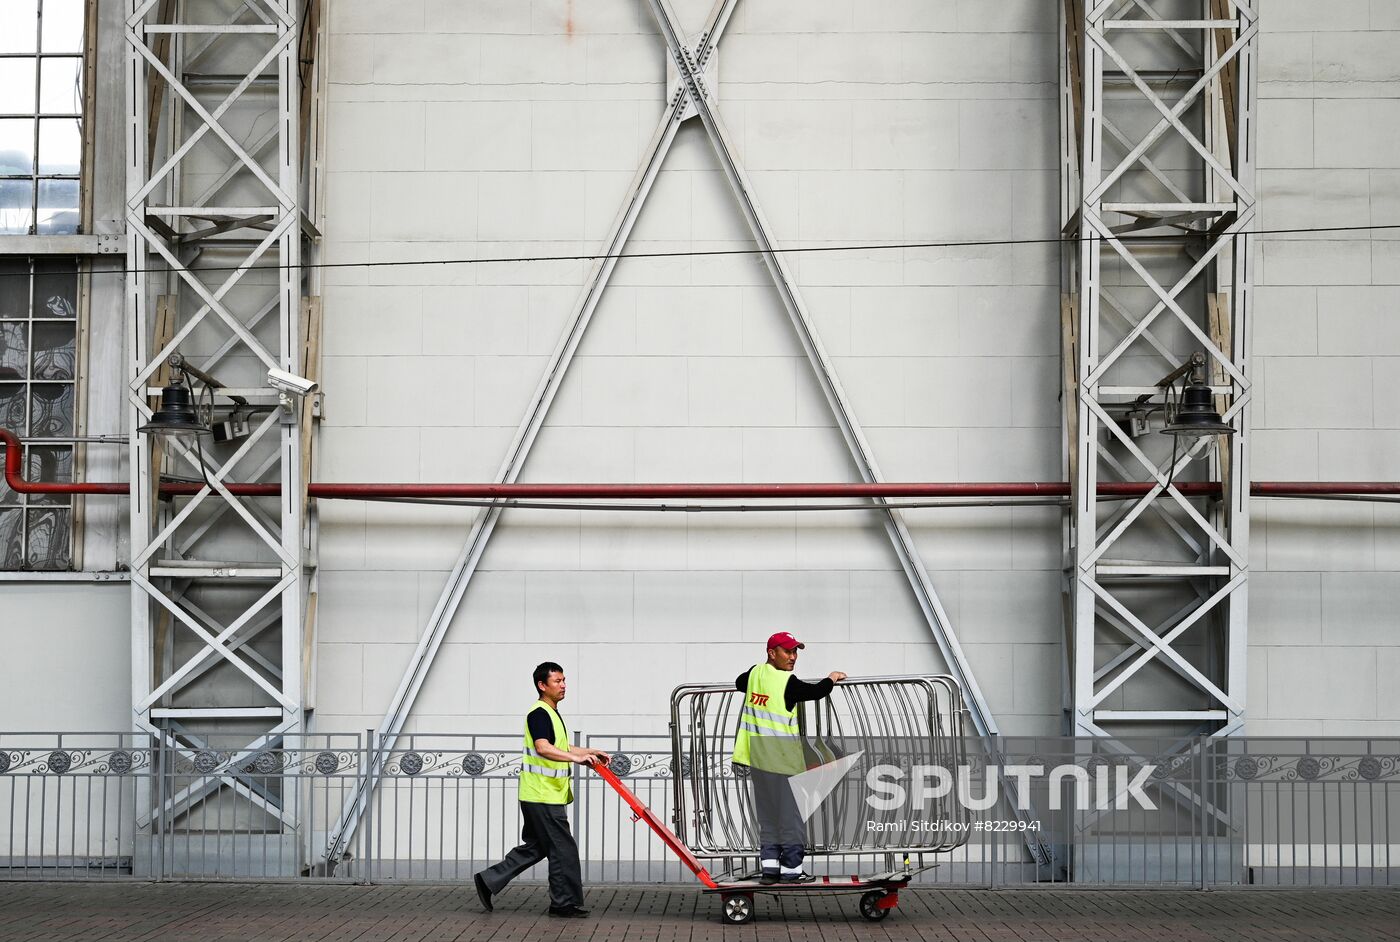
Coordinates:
1189 409
1194 414
178 414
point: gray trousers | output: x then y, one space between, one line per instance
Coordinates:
781 831
545 834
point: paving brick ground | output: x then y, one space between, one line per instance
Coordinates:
50 912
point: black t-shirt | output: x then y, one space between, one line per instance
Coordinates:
796 691
540 725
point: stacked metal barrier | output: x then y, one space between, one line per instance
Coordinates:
896 721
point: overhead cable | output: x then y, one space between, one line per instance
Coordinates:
701 253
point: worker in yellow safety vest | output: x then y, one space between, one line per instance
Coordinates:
546 789
769 749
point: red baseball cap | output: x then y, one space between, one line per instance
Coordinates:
785 641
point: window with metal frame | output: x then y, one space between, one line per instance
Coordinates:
42 63
41 108
38 402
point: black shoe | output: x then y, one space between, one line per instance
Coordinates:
799 878
768 879
568 912
482 893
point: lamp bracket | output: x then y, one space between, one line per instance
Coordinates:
178 362
1195 366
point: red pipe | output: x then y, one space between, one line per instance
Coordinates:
14 451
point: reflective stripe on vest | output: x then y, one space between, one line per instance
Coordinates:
537 764
765 730
768 736
546 781
787 722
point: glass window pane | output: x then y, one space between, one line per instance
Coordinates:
55 288
12 407
16 211
61 86
58 207
16 86
38 396
51 410
55 350
60 145
18 25
49 542
11 539
16 146
14 287
49 464
62 26
14 350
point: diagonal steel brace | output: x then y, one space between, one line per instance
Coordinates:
694 99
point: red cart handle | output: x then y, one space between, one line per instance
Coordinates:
641 811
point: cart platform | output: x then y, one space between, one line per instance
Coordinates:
879 892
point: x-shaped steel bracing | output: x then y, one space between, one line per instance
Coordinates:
157 211
688 58
1229 31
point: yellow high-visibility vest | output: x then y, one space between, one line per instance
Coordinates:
768 736
544 780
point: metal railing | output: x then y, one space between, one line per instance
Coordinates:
444 807
227 808
1207 813
68 804
1212 813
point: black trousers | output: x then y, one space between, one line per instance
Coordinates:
781 831
545 834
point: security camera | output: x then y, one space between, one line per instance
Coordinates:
291 383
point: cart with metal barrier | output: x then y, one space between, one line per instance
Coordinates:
871 728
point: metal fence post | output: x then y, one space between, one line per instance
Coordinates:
1201 806
367 847
990 833
158 818
577 784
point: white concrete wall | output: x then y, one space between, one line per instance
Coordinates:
64 651
65 647
513 128
501 128
1325 639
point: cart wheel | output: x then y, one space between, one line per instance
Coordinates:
737 909
870 906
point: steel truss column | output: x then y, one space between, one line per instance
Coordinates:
689 96
1162 269
225 248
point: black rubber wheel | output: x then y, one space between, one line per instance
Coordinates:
870 908
736 909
